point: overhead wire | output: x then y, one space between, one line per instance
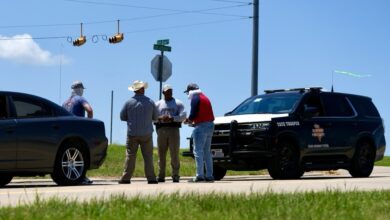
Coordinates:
174 12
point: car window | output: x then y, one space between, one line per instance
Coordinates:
3 107
337 105
28 108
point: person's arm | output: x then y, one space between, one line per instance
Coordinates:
181 113
195 102
123 114
88 109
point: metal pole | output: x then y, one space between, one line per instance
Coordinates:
112 108
255 48
160 69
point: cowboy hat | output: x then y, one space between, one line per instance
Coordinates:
137 85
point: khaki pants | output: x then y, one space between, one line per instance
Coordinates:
132 143
168 138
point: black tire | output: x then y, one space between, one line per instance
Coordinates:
363 160
219 172
285 163
70 165
5 179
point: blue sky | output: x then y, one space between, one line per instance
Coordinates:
301 43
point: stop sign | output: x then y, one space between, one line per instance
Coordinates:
166 68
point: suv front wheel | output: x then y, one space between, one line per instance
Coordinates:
285 163
363 160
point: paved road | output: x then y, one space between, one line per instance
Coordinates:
21 191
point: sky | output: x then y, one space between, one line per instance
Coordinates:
301 44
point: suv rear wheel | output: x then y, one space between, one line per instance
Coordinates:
285 163
5 179
363 160
70 164
219 172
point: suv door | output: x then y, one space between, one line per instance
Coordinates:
315 131
339 112
7 136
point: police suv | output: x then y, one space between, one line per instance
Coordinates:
292 131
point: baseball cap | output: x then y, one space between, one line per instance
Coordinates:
191 86
166 87
77 84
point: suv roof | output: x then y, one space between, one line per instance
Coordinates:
311 89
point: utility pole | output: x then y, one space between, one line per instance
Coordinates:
255 48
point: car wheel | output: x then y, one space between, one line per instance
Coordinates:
5 179
219 172
285 163
363 160
70 165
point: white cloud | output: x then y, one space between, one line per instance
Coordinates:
23 49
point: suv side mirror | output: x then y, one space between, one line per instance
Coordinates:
310 111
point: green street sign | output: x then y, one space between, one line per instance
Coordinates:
163 42
161 47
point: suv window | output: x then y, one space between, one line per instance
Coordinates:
3 107
336 105
364 106
28 108
268 103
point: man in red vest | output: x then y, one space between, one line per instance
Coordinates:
201 117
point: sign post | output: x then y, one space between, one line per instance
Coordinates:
162 74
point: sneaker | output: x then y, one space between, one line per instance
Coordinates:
152 182
160 180
196 180
124 182
176 179
209 180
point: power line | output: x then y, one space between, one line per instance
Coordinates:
175 12
201 11
104 36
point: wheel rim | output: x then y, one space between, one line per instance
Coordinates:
365 156
286 158
72 164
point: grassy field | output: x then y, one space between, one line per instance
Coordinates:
311 205
113 165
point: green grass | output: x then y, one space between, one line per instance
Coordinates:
113 165
384 162
310 205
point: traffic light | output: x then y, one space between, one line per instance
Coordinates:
79 41
116 38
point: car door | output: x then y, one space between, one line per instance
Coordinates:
37 133
8 143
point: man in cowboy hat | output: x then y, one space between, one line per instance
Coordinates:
139 112
78 105
171 115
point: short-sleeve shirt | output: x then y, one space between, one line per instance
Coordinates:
75 104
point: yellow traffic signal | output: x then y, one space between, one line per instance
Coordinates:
116 38
80 41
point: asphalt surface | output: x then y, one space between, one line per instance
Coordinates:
24 191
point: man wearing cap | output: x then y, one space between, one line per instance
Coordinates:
139 112
78 105
202 118
171 115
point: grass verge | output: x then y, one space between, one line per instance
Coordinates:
310 205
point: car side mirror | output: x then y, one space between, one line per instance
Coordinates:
310 111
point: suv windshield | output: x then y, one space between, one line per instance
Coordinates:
275 103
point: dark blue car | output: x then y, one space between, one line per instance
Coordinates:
38 137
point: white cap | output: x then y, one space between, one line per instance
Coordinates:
166 87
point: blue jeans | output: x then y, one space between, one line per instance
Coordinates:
202 135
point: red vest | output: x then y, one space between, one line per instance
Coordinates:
205 112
